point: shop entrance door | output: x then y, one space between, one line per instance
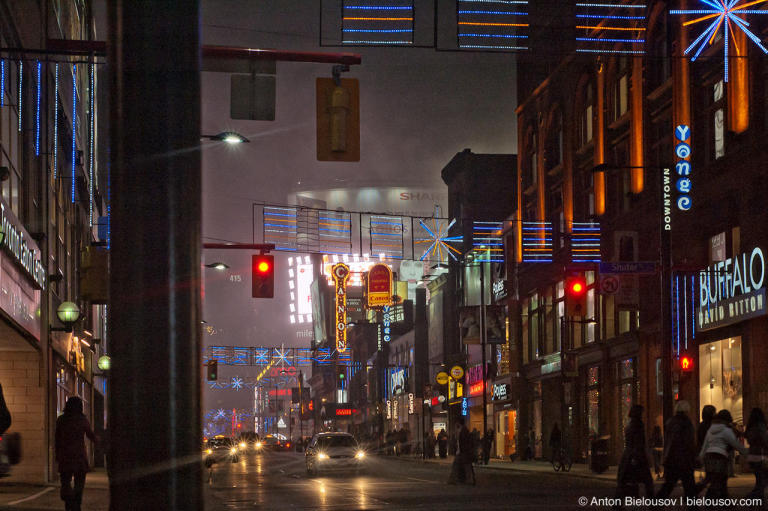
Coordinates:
721 377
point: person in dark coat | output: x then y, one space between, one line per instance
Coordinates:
487 443
555 442
71 427
431 442
718 444
633 467
707 414
757 436
442 443
5 414
467 451
679 452
657 444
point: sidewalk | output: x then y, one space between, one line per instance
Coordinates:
32 497
740 481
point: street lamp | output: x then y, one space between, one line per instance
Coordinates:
230 137
68 313
665 256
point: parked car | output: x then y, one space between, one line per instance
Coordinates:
334 451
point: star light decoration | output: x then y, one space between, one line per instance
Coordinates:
237 383
725 14
438 239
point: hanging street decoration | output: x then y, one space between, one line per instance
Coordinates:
340 276
728 14
438 239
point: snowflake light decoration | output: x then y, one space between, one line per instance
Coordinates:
438 239
725 14
219 415
237 383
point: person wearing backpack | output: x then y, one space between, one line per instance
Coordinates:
718 444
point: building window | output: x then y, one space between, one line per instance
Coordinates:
533 165
586 117
621 89
559 315
627 391
718 119
525 322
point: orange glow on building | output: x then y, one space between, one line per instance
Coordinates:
681 97
738 84
599 177
636 133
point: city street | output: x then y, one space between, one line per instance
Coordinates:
279 481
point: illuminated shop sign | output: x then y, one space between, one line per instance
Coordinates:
389 409
410 404
340 276
464 406
341 412
17 242
476 388
386 323
683 167
666 200
475 374
732 290
500 392
398 381
379 286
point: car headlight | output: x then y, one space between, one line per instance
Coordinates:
360 454
242 445
322 456
233 450
258 445
209 451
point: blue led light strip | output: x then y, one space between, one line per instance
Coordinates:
382 22
74 127
537 242
602 23
490 25
2 82
90 143
19 102
37 112
56 121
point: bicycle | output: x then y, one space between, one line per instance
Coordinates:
562 461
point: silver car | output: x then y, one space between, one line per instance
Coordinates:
334 451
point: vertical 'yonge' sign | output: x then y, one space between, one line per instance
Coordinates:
666 200
683 167
340 276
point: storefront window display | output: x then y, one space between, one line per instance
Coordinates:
720 376
627 393
506 433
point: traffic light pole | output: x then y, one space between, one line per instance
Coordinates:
665 254
154 327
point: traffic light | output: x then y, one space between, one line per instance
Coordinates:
686 362
263 274
213 370
575 296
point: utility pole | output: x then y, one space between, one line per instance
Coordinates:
154 398
483 341
665 254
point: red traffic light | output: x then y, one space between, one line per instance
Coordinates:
576 286
686 363
575 296
263 275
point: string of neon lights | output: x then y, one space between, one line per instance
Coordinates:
56 120
585 242
537 242
385 22
37 112
20 101
2 82
603 19
74 128
723 14
91 133
491 25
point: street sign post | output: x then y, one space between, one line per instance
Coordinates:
637 267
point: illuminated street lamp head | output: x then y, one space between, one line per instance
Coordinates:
217 266
105 363
68 312
230 137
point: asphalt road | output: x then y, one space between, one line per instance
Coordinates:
278 481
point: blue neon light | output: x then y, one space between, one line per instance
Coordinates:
590 50
363 41
610 17
601 40
503 13
693 309
376 30
613 6
380 7
21 79
37 112
74 127
2 82
91 149
492 47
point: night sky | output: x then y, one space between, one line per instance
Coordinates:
418 108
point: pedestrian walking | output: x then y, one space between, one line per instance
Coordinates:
555 442
71 427
475 435
679 452
431 441
707 414
657 444
530 449
462 469
442 443
718 444
487 443
5 414
633 467
757 436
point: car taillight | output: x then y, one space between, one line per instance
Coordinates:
288 444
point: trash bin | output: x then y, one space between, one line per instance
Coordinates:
599 455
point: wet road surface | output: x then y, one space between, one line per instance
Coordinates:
278 481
